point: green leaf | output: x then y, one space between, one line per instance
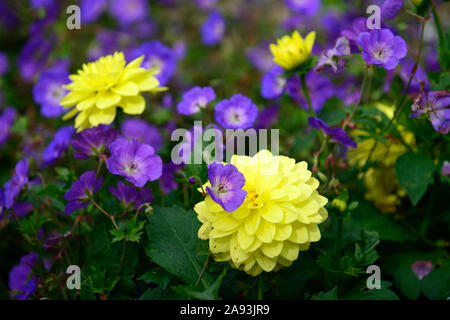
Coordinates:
211 293
365 253
415 173
173 243
384 293
330 295
158 276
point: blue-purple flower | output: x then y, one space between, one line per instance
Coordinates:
58 145
336 134
273 83
226 186
195 99
81 191
306 7
206 4
382 48
359 26
129 197
2 203
91 10
48 91
18 181
421 268
436 106
135 161
33 56
267 117
320 90
239 112
135 128
22 280
6 121
4 64
334 57
167 181
445 170
94 141
390 9
157 55
127 12
213 29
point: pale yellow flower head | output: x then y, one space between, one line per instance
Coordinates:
278 218
101 86
290 52
381 182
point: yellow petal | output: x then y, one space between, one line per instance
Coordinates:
283 232
314 232
266 231
309 40
252 223
271 213
107 99
128 88
289 251
264 262
102 116
133 105
272 249
244 239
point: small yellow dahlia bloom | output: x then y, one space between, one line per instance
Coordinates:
290 52
278 218
101 86
381 182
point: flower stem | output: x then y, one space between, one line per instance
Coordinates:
306 94
260 288
99 167
400 105
110 216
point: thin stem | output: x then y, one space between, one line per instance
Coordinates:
306 94
99 167
260 288
401 104
203 270
110 216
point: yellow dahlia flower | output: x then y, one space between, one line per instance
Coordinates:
101 86
290 52
381 182
278 218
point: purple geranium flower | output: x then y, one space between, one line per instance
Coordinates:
273 83
406 68
239 112
334 56
267 117
195 99
135 128
22 281
94 141
135 161
260 57
306 7
213 29
4 64
92 9
390 9
6 121
226 186
422 268
436 105
157 55
320 90
337 134
206 4
167 180
382 48
17 182
2 203
359 25
33 56
129 197
48 91
81 191
445 171
127 12
58 145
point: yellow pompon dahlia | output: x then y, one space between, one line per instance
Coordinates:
278 217
381 182
101 86
290 52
